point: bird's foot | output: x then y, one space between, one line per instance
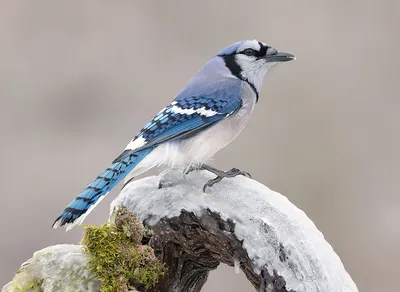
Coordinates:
219 173
225 174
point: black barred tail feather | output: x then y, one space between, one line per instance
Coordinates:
81 206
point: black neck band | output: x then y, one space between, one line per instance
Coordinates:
235 69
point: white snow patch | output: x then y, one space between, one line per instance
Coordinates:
61 267
236 264
265 220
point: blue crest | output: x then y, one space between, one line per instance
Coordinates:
230 49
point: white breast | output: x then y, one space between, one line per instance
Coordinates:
201 147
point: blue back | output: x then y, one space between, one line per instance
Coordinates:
213 89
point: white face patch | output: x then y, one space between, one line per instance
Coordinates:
253 44
136 143
190 111
253 70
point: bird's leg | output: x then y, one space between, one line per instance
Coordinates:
219 173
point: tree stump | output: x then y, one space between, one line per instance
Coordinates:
239 222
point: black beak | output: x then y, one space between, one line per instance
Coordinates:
280 57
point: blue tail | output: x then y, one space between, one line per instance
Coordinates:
80 207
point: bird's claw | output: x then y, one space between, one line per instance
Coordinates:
211 182
234 172
189 169
219 173
225 174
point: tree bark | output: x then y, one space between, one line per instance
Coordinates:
192 246
239 222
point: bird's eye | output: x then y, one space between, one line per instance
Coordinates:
249 52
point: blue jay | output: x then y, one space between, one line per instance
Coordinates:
209 112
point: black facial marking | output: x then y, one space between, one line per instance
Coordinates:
258 54
252 87
236 70
263 50
249 52
230 62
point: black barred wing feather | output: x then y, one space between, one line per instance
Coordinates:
185 116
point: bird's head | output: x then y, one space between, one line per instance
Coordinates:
250 60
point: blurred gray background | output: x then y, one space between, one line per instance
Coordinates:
80 78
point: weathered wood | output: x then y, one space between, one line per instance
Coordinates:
193 246
239 222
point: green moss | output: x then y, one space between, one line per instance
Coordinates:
34 286
116 256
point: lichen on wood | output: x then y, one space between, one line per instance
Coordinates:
238 222
34 286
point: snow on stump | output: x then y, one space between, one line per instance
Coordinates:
55 268
238 222
111 258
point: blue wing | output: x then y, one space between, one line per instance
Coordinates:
186 116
